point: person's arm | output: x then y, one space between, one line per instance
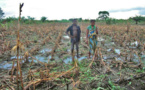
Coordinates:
68 30
80 33
96 31
87 32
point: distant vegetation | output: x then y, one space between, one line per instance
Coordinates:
103 15
1 14
43 19
138 19
103 18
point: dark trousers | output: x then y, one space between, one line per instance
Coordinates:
74 42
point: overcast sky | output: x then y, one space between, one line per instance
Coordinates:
65 9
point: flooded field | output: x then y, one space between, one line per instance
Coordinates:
46 60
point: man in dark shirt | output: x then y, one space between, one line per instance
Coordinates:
75 34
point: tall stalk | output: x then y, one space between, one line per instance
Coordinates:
18 47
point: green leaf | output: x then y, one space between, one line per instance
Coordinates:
118 73
129 83
99 88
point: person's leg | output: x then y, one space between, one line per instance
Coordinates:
89 55
77 49
72 47
90 47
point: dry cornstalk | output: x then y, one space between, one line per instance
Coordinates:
56 44
10 87
93 58
138 57
47 79
17 48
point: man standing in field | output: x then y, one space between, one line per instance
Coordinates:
75 34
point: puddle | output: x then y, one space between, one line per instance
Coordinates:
143 59
68 50
69 59
81 58
46 50
109 56
42 58
135 58
15 57
143 56
6 65
108 50
135 43
100 39
105 57
119 59
110 43
117 51
45 59
83 38
132 47
66 37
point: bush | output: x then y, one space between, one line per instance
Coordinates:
108 21
9 19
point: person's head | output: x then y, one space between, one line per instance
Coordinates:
74 21
92 22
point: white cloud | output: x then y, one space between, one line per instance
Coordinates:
65 9
124 15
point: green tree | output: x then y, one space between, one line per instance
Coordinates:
80 19
1 14
31 18
138 19
110 21
23 19
43 19
9 19
103 15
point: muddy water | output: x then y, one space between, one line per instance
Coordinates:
117 51
46 50
135 43
6 65
43 58
66 37
136 59
143 59
69 59
100 39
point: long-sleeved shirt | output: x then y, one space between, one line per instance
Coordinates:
71 32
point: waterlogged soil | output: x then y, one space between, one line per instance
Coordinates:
98 76
42 56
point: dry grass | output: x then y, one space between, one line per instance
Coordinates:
34 37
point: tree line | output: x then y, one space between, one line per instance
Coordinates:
103 16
